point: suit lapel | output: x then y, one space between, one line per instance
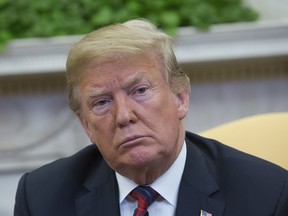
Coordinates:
100 196
197 187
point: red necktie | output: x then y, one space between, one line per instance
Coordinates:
145 195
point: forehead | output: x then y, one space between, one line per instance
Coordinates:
124 70
119 63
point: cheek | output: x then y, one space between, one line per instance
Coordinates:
162 116
104 144
167 108
168 119
101 129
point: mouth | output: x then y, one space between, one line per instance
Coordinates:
132 140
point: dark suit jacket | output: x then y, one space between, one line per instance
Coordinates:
216 178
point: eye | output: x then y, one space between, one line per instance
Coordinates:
101 106
141 90
101 103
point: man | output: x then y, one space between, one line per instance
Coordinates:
131 97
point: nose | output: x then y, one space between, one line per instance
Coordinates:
124 114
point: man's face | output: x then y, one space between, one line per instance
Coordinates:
129 112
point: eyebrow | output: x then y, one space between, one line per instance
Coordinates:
94 92
98 91
134 80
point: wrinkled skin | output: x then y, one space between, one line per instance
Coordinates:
130 113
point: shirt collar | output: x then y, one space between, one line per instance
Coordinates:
167 185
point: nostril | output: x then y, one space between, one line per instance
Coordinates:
126 118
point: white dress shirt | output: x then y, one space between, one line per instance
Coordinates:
167 185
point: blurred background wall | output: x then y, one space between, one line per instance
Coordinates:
236 70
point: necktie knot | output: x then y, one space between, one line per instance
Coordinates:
145 195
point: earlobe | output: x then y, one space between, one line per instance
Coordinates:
182 103
85 125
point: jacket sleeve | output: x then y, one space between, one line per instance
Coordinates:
282 207
21 207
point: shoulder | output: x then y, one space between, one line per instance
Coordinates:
73 169
220 154
53 187
242 175
81 159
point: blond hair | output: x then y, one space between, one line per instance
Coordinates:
131 37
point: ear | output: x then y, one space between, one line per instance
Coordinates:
182 103
85 125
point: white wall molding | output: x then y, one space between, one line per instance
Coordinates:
222 42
